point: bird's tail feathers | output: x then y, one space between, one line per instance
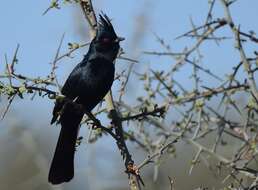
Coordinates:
62 167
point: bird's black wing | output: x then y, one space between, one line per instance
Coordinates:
96 81
70 90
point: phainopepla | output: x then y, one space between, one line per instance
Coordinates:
86 86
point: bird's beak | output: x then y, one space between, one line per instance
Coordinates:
119 39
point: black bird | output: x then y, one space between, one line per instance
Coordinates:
87 85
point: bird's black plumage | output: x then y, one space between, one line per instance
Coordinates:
87 85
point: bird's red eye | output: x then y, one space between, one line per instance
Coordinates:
106 40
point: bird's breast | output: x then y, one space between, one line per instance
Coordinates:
99 75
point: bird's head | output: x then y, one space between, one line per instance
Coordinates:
106 40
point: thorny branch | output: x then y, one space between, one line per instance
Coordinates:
164 95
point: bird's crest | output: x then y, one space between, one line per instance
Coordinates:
104 25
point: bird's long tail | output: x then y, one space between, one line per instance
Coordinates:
62 167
